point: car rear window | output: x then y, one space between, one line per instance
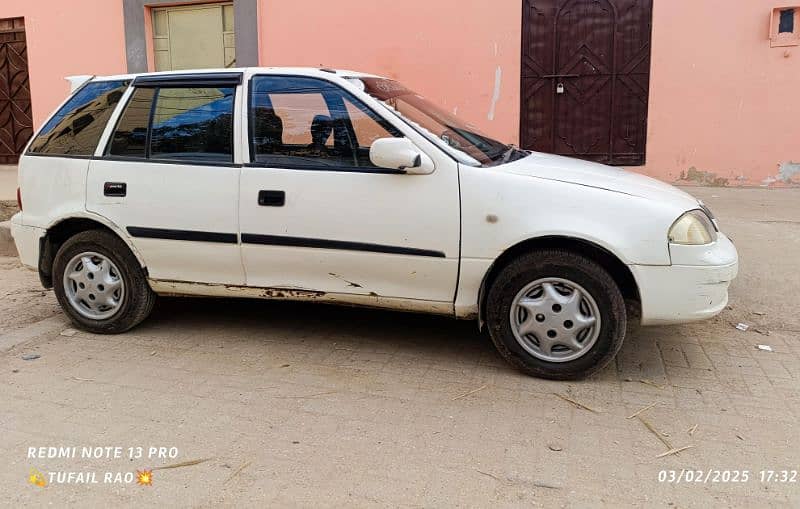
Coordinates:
76 128
184 124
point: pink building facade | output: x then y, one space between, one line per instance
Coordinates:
709 94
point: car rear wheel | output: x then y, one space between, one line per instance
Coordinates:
556 314
99 283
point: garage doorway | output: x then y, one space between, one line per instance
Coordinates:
586 78
16 124
194 37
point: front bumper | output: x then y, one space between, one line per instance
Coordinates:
26 239
694 288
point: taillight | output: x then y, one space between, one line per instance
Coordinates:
19 199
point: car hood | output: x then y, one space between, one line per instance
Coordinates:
599 176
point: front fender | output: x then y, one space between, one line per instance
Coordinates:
502 209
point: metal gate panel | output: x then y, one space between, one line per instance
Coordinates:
585 78
16 123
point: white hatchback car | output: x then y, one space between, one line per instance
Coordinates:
343 187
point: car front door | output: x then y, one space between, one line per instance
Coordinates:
167 177
316 214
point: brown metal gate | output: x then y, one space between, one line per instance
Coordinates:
585 78
16 125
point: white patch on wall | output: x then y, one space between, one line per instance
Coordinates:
788 170
787 173
498 78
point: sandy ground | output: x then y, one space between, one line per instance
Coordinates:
23 301
7 209
310 405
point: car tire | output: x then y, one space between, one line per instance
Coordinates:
540 294
105 290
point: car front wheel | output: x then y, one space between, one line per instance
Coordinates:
99 283
556 314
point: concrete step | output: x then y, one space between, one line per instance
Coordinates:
8 182
7 247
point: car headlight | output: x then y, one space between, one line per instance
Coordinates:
693 228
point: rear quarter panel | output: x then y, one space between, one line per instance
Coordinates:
52 188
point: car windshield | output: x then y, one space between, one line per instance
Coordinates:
460 139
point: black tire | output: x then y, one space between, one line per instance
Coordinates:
139 297
573 267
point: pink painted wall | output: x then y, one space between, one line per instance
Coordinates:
721 100
447 50
723 104
67 38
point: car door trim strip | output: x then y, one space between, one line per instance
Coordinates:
343 245
190 235
277 240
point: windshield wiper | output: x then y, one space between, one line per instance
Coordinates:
508 153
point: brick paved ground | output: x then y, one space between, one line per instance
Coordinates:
309 405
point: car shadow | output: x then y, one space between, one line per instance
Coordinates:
443 341
318 325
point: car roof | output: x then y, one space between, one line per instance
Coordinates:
300 71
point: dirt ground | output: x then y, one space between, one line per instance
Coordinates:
7 209
23 301
287 404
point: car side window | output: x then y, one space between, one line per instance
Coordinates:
130 136
365 127
76 128
299 122
193 123
184 124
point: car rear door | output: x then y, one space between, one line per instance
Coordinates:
316 214
52 173
168 176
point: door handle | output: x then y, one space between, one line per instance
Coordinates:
119 189
271 198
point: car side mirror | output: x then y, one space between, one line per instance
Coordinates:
400 154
